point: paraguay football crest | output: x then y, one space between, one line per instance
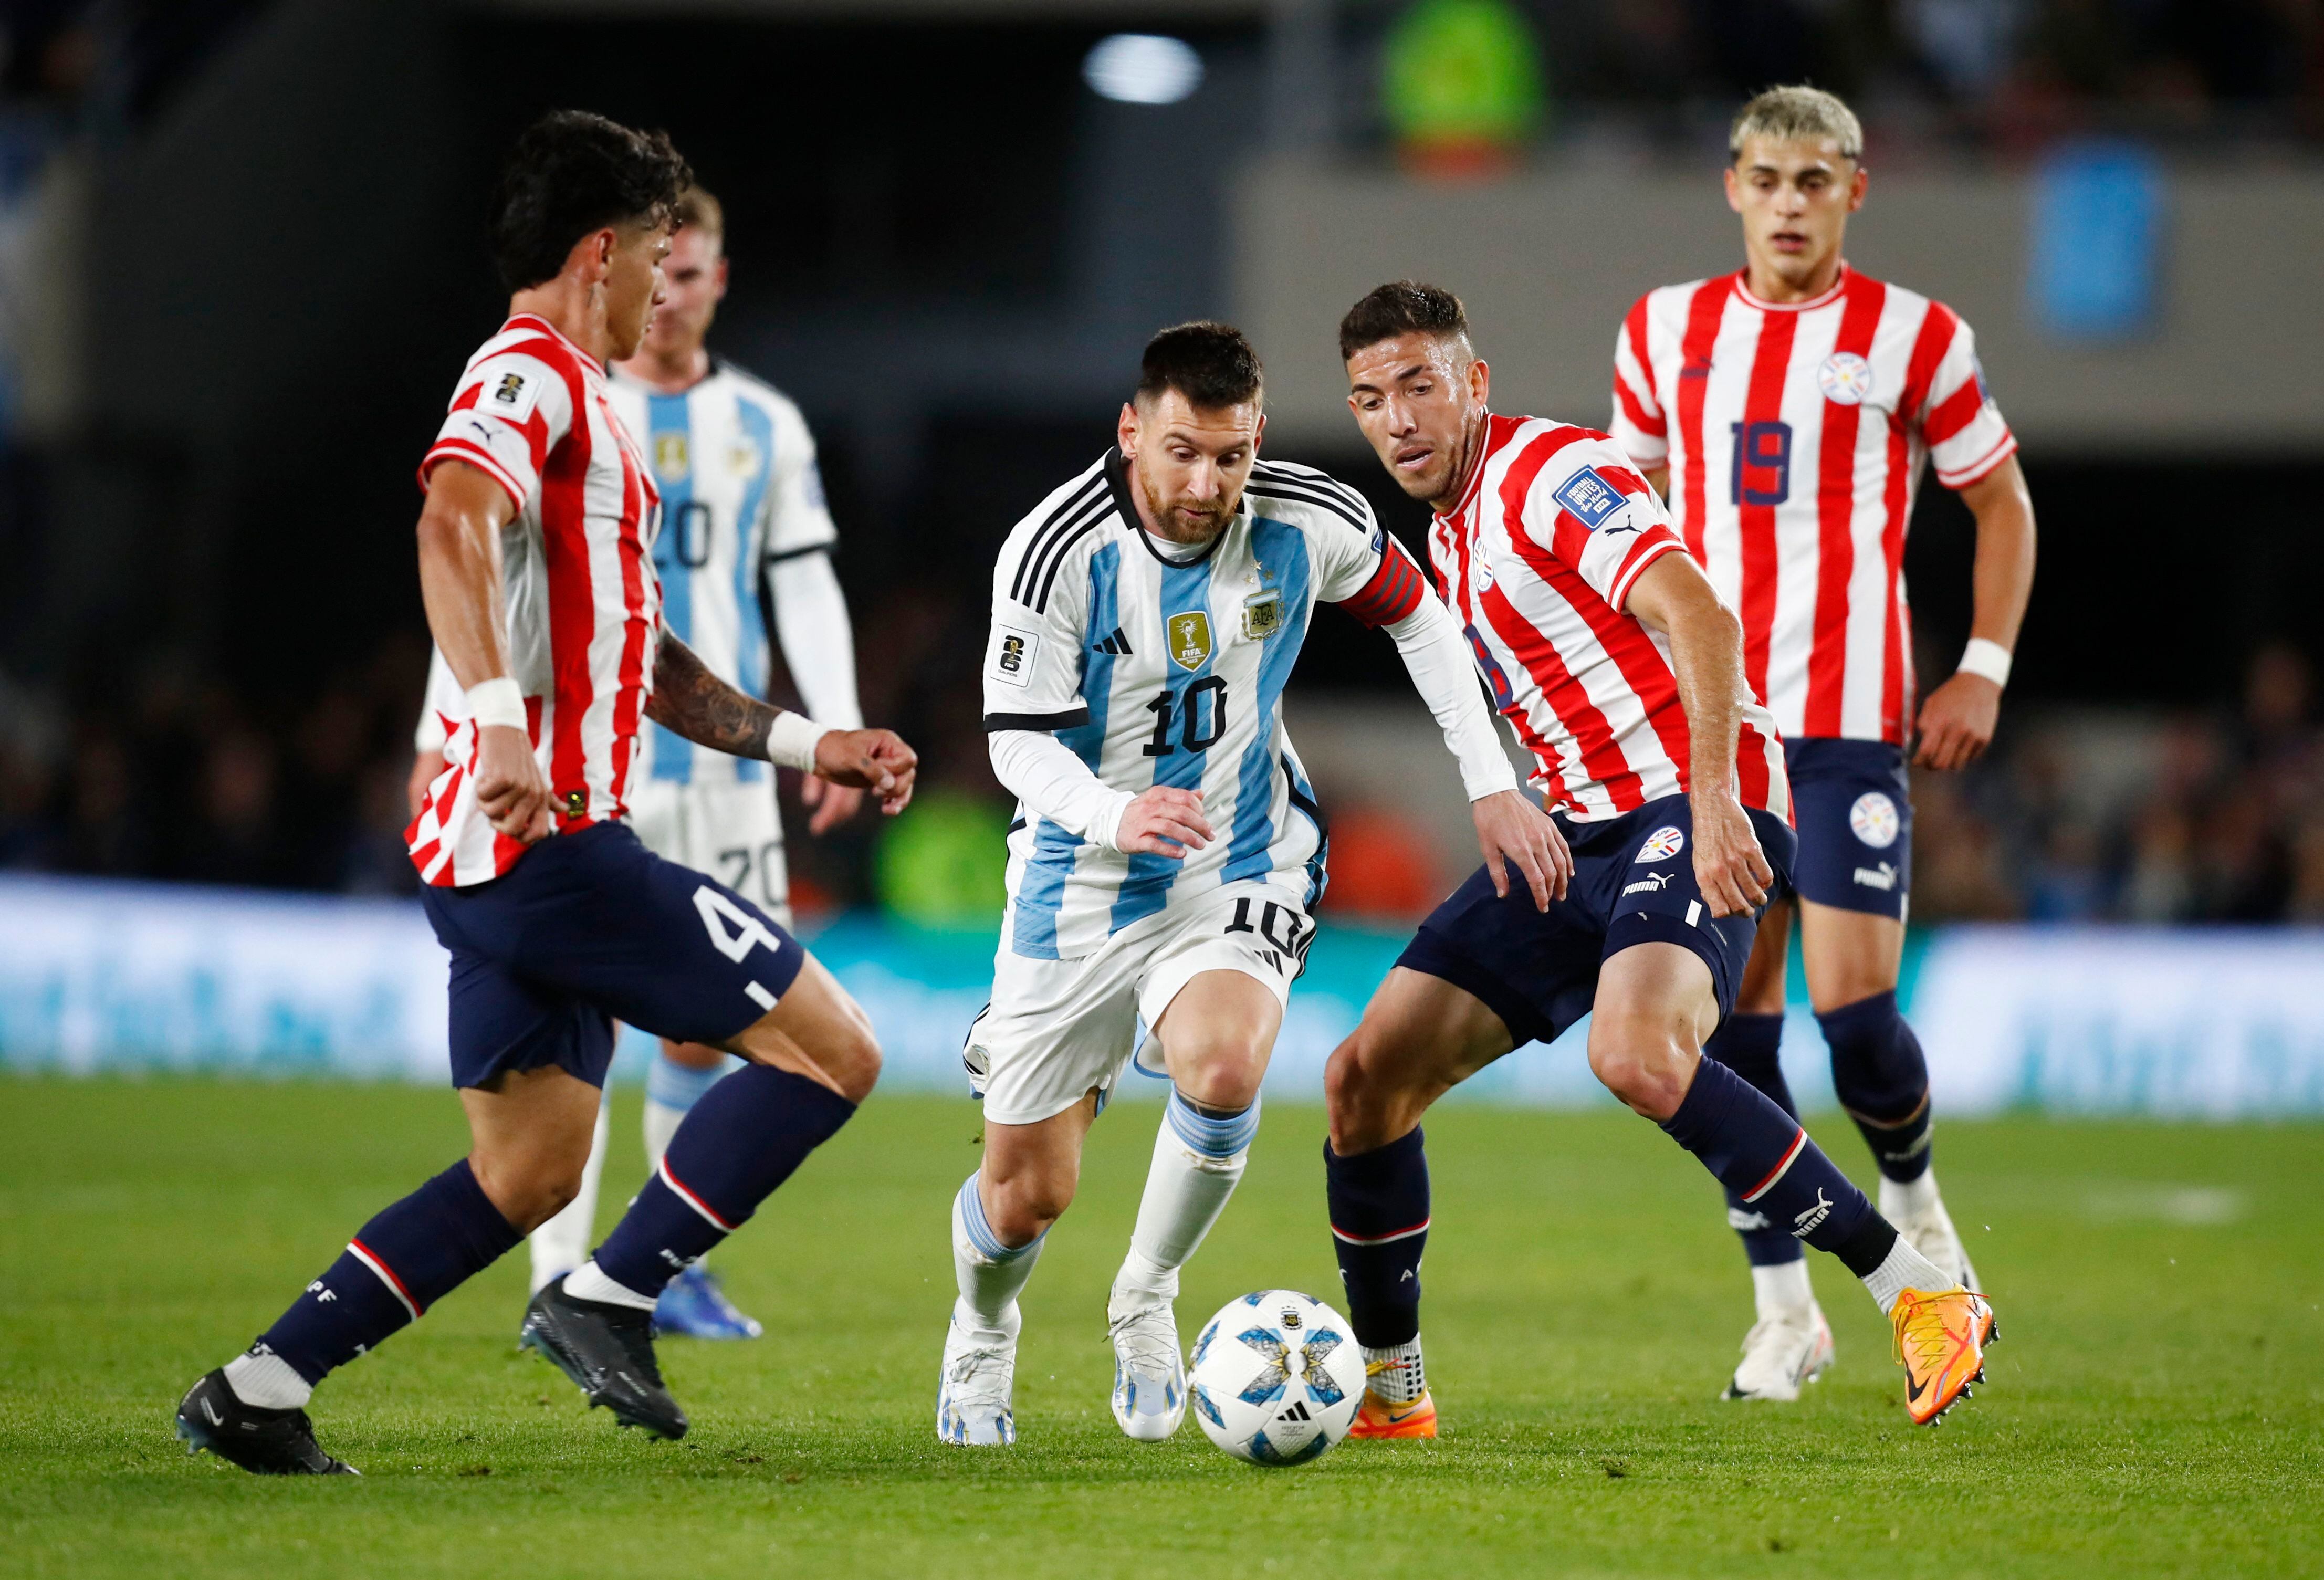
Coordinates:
1873 820
1190 639
1661 845
1845 378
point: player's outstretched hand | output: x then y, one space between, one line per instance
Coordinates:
511 791
832 804
1729 867
1164 821
1957 722
1513 832
874 759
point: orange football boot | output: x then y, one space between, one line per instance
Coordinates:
1376 1418
1941 1341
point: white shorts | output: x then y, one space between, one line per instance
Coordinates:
734 832
1058 1030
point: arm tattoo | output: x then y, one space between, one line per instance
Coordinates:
697 704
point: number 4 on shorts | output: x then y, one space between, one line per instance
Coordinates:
717 912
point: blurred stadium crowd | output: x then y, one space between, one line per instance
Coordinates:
2079 814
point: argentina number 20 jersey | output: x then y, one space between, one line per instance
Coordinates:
740 490
1159 665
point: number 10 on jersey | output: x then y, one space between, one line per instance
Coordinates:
1199 714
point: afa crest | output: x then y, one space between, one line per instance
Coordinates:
1262 615
1190 639
672 458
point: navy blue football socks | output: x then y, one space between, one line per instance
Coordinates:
741 1140
1760 1153
1881 1078
1378 1202
1751 1046
405 1259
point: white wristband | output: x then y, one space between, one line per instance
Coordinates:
791 739
1988 659
497 702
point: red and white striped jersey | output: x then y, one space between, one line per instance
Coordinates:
584 603
1537 561
1794 434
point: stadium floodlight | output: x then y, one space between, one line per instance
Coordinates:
1142 69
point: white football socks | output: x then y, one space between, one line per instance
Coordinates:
1901 1200
1395 1375
1781 1287
588 1283
268 1383
562 1243
1904 1269
1198 1161
988 1274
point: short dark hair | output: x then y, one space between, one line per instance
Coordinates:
1211 364
571 173
1401 307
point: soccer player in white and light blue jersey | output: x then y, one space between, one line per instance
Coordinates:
1169 849
746 541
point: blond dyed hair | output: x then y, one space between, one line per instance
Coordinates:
1797 114
696 210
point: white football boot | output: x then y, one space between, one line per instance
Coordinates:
1781 1355
1919 1216
1149 1373
979 1367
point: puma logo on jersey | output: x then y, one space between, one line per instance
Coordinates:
1805 1224
1651 884
1882 877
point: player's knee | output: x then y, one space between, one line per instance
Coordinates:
1353 1102
1644 1058
850 1054
529 1189
1024 1207
1223 1079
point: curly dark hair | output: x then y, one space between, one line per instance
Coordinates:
1211 364
1401 307
573 172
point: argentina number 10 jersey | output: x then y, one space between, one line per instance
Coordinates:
1159 665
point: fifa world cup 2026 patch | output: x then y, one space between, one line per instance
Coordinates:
1013 653
512 394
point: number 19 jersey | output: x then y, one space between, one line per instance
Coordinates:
1794 434
1160 666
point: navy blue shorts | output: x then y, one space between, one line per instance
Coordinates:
591 928
1854 803
1633 883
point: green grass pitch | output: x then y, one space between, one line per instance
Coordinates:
2157 1405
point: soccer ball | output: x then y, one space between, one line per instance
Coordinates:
1277 1378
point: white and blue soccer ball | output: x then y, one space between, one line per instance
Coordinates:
1277 1378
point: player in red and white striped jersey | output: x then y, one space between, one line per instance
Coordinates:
535 563
1787 411
1605 645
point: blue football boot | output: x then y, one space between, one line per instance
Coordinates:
693 1306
